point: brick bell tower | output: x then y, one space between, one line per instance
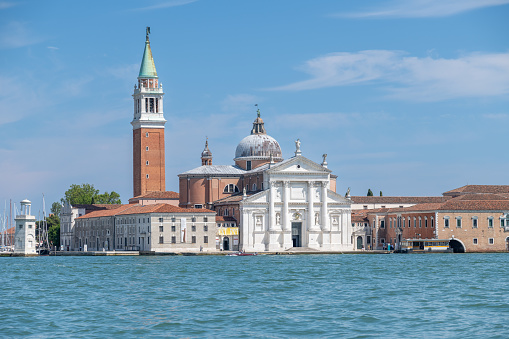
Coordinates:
148 128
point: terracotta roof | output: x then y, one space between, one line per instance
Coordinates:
105 212
397 200
140 209
162 208
475 205
158 195
234 198
417 208
479 189
220 218
96 207
483 196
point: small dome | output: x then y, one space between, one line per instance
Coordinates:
259 146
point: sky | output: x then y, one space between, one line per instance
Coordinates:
407 97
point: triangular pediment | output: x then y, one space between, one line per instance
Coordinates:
299 164
258 198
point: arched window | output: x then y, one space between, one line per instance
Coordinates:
254 187
231 188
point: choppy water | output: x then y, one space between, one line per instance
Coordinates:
355 296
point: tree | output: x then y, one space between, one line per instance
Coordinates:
86 194
83 194
53 222
381 194
56 207
108 198
370 193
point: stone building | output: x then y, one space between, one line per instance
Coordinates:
278 204
68 215
471 220
156 228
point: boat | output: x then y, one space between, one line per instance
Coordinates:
240 254
425 246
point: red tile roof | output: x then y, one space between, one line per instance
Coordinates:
140 209
479 189
158 195
397 200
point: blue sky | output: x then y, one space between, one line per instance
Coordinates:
407 97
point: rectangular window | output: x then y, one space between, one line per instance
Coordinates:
205 239
160 219
193 219
491 241
415 222
248 165
174 240
205 219
173 219
198 206
161 228
490 222
502 222
475 241
193 239
205 228
193 228
446 223
161 240
458 222
382 224
173 228
474 222
146 104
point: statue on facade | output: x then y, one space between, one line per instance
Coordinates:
297 146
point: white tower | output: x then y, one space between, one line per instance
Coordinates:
25 230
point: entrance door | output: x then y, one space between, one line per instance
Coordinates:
359 243
226 244
296 234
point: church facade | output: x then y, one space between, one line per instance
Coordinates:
278 204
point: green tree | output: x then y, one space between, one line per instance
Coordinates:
56 207
83 194
108 198
86 194
53 222
381 194
370 193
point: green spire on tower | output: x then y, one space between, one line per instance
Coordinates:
148 68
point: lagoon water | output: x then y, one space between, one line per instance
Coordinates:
354 296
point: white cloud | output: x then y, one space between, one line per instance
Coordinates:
5 4
166 4
16 34
410 78
53 48
423 8
496 116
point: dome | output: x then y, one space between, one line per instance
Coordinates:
258 146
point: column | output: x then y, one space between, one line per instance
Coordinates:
311 214
272 214
325 217
285 219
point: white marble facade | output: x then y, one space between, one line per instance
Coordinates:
297 210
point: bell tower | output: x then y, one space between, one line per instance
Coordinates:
148 128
